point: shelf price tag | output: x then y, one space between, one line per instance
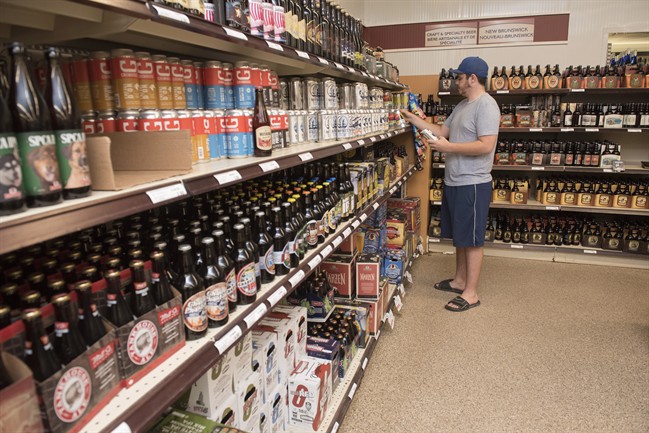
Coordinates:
302 54
437 203
364 365
361 142
567 129
172 15
393 189
514 246
577 90
347 146
400 183
167 193
335 427
590 251
275 46
389 316
375 206
372 139
363 217
256 315
591 130
337 242
224 343
634 130
352 391
382 136
323 61
408 276
538 168
398 302
227 177
401 289
347 232
235 33
356 223
351 69
536 129
277 296
607 170
305 156
500 92
443 93
551 208
324 253
441 166
314 262
268 166
297 278
122 428
339 66
435 240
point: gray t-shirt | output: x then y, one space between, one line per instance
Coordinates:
467 122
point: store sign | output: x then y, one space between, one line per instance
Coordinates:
455 34
506 31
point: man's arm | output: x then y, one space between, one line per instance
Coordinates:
440 131
483 145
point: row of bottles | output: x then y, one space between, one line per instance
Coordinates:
617 193
42 145
557 153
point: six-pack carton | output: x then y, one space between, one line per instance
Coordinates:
308 394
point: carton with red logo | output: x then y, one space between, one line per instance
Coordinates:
396 231
368 274
328 349
19 409
287 340
248 394
308 394
298 316
341 271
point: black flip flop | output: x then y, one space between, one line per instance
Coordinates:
445 286
461 303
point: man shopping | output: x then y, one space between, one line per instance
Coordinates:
468 137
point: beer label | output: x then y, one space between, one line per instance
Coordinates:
246 281
72 394
498 83
312 232
533 82
142 342
141 289
268 261
217 301
263 136
61 328
231 285
516 83
11 181
286 255
72 157
111 299
194 312
40 166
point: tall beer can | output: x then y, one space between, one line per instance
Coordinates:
126 84
170 121
237 139
283 94
198 79
244 88
177 83
312 126
101 85
250 149
330 94
228 81
146 77
212 137
81 88
150 120
163 82
189 81
219 125
200 133
296 94
274 87
214 92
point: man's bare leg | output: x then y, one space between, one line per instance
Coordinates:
460 269
473 264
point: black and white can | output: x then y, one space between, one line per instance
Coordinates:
345 97
296 94
330 94
313 126
313 94
283 94
343 130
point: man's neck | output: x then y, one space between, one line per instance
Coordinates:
474 93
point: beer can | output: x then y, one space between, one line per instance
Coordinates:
236 135
265 84
185 121
177 83
127 120
285 127
274 88
219 125
275 127
312 126
255 75
101 81
150 120
162 72
198 79
106 122
244 88
209 12
212 138
343 131
283 94
296 94
200 132
302 126
81 88
387 100
313 94
146 78
170 120
89 122
126 84
345 97
214 92
228 82
323 136
292 127
248 114
330 94
359 95
189 81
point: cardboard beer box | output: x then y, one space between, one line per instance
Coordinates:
350 244
298 315
318 307
248 396
328 349
208 393
394 264
340 272
361 308
396 230
372 241
308 394
276 410
286 339
266 353
182 422
241 357
19 408
368 273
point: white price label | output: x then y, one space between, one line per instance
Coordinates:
401 289
552 208
275 46
372 139
339 66
337 242
352 391
502 91
378 334
398 302
356 223
256 314
409 277
235 33
347 232
172 15
167 193
590 251
365 74
435 240
634 130
350 69
227 177
607 170
538 168
297 278
361 142
375 206
224 343
335 427
443 93
536 129
302 54
364 365
315 262
328 249
393 189
268 166
577 90
347 146
441 165
437 203
400 183
305 156
277 296
122 428
390 134
323 61
391 319
518 247
363 217
382 136
591 130
567 129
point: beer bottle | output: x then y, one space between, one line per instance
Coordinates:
33 128
141 298
265 248
92 328
70 138
30 300
12 197
244 268
68 341
262 135
40 356
291 229
252 248
311 221
216 291
226 266
55 286
302 26
191 287
281 255
117 310
160 285
5 316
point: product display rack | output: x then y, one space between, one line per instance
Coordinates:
630 169
591 92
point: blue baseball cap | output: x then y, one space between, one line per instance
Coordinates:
472 65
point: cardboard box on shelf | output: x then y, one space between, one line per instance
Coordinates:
329 349
121 160
298 315
396 233
286 339
368 273
350 245
208 393
361 310
182 422
241 357
248 395
308 394
276 410
340 271
19 409
266 353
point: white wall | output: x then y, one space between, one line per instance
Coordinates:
590 23
355 8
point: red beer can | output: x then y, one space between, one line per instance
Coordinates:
81 84
170 120
127 121
177 83
150 120
89 122
106 122
146 77
162 72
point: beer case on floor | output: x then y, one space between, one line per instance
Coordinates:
308 394
182 422
341 271
19 408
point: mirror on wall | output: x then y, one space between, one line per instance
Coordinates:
621 44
